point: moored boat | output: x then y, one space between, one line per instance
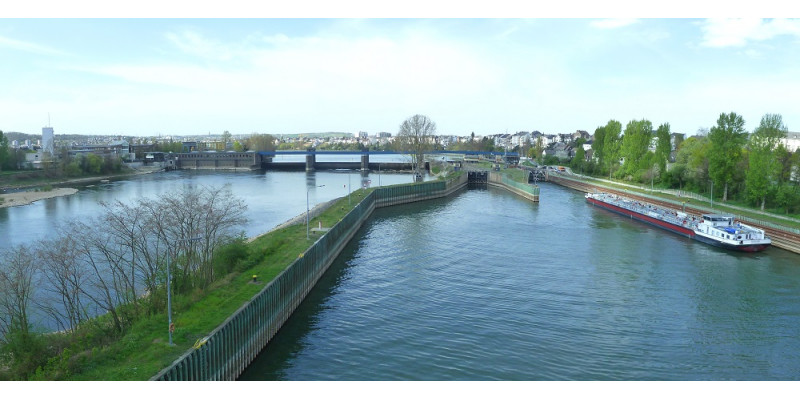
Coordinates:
714 229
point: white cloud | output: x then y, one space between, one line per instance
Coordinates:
613 23
738 32
28 47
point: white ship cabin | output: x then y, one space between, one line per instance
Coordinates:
722 227
718 220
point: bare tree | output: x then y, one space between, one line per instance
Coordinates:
17 272
416 135
209 215
127 251
65 278
101 258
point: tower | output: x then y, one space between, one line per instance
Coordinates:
48 140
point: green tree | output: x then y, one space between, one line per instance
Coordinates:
692 161
598 144
611 145
663 146
260 142
5 159
788 197
94 164
579 161
763 165
635 144
727 140
537 149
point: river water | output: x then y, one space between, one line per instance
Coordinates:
488 286
485 285
272 197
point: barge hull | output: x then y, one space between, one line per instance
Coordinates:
748 248
683 231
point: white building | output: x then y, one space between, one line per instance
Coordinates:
48 140
792 141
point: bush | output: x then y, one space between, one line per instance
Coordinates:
231 257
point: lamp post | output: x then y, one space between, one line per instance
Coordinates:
308 190
169 288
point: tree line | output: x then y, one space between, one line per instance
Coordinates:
115 266
754 168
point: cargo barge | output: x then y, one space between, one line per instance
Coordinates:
714 229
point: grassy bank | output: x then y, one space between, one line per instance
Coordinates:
31 179
144 350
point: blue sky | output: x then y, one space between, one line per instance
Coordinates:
194 76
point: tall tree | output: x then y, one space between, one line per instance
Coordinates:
612 143
727 140
537 149
260 142
763 165
663 146
635 144
5 159
598 144
415 136
17 271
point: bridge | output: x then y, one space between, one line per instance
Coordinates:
265 160
311 163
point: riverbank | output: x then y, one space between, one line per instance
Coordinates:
25 198
7 184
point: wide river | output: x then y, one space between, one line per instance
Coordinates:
488 286
485 285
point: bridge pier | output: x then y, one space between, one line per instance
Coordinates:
365 161
311 159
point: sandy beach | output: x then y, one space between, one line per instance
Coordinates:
24 198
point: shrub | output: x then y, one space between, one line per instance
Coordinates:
231 257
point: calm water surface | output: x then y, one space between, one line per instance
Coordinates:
272 197
488 286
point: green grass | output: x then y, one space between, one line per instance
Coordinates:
144 350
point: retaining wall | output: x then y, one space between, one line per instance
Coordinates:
528 191
230 348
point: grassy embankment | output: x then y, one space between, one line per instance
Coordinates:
29 179
144 350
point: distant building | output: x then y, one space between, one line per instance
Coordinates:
792 141
48 140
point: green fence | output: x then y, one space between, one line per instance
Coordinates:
230 348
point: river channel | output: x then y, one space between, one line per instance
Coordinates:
487 286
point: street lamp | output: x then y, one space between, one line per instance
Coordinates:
308 190
169 287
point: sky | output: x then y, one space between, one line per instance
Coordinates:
178 76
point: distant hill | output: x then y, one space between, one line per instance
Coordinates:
317 134
20 136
